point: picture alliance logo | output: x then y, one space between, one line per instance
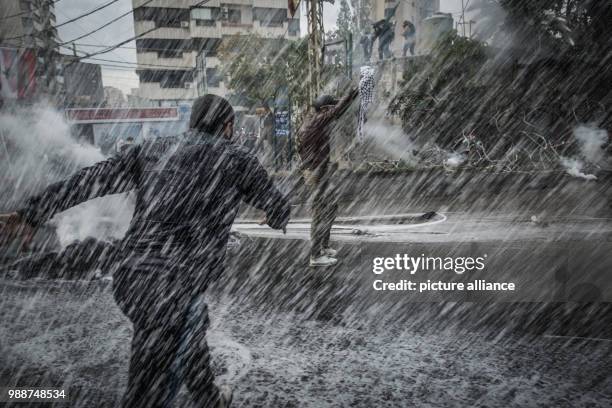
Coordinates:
412 264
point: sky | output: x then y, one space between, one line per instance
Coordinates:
126 78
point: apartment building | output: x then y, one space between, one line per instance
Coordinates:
412 10
177 57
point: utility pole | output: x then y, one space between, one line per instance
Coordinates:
314 14
49 49
463 16
200 73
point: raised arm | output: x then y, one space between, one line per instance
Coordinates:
342 105
258 190
114 175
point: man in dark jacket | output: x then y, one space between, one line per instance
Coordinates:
384 31
188 192
314 139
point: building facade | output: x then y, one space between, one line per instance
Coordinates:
82 83
179 39
30 25
414 11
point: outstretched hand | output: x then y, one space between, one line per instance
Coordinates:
13 227
264 221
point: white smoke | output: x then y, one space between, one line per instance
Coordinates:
454 160
574 167
104 218
389 138
591 141
36 149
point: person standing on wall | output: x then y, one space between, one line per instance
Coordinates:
409 34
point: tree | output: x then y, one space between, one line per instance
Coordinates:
259 68
344 20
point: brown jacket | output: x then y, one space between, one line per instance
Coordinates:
314 135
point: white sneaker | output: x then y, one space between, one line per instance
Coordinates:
322 260
225 397
329 252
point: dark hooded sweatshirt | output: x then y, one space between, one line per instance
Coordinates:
188 192
314 137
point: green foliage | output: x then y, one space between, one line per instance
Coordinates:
259 68
527 97
456 57
344 20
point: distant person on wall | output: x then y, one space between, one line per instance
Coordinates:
366 41
314 140
409 34
188 189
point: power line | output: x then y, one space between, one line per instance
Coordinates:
114 47
93 37
69 21
104 46
106 24
121 16
125 48
25 13
133 63
140 64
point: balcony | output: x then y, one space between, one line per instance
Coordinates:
228 28
270 3
152 90
152 58
163 3
271 31
201 31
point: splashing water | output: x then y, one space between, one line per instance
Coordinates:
37 149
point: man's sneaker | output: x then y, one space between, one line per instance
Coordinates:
329 252
225 397
322 260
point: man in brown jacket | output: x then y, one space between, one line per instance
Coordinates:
314 149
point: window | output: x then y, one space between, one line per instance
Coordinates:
170 53
206 23
166 79
175 79
213 79
162 16
294 26
270 17
206 16
201 14
160 44
234 16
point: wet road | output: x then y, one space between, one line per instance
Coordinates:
62 332
445 227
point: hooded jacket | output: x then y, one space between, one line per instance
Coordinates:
314 137
188 189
